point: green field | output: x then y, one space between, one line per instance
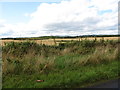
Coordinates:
71 64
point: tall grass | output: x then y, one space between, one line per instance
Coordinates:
30 57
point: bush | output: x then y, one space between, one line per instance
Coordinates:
32 57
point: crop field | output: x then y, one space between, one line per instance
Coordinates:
59 63
57 41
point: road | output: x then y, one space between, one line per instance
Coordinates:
108 84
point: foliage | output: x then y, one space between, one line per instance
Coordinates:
64 65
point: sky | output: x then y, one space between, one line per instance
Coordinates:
58 17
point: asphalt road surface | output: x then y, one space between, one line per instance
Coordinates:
108 84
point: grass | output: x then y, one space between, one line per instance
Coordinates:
69 64
65 78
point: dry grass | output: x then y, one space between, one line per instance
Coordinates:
31 62
101 55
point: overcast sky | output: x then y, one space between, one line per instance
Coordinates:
62 17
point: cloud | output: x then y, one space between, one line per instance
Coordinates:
30 0
69 17
78 26
26 14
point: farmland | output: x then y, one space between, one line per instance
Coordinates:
61 63
59 40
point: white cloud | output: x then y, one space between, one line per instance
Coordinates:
26 14
106 4
2 21
30 0
73 17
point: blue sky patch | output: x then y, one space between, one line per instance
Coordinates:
104 11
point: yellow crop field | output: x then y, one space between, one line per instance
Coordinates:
60 40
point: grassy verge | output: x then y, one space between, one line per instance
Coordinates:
71 64
65 78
